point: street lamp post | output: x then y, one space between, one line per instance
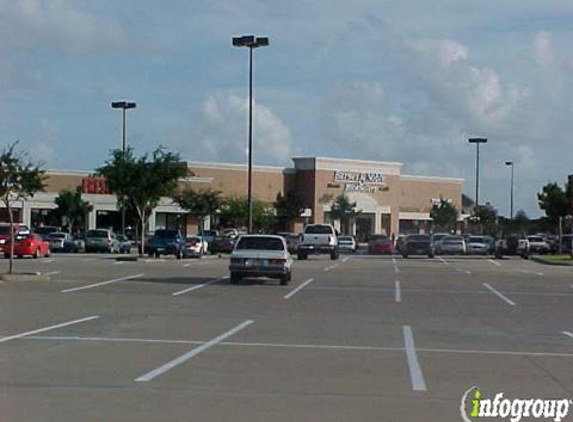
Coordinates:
477 141
251 42
123 105
510 164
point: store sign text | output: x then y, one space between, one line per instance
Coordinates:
363 182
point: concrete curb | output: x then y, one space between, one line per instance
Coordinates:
555 264
25 277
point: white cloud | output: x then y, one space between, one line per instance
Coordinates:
36 24
542 48
223 131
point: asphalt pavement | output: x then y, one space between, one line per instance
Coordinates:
362 338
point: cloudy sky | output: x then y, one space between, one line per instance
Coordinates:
388 80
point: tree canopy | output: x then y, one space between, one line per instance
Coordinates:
288 207
444 215
344 210
19 179
72 207
140 183
235 213
556 201
201 203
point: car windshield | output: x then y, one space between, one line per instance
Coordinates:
261 243
318 230
535 239
419 238
476 239
57 235
166 233
98 233
345 239
453 239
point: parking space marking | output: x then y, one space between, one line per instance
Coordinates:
416 376
103 283
190 354
118 263
494 262
396 269
443 260
297 289
568 334
461 270
331 267
304 346
47 261
51 327
500 295
345 259
398 294
521 270
198 286
53 272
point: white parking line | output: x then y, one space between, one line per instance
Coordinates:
418 383
90 286
331 267
296 290
194 352
302 346
500 295
461 270
393 259
118 263
345 259
47 261
53 272
199 286
396 269
568 334
51 327
398 295
521 270
494 262
443 260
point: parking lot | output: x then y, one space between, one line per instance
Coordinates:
363 338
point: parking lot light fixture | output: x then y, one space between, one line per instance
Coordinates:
123 105
251 42
477 141
510 164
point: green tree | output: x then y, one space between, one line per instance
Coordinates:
235 212
289 207
344 210
487 219
201 204
72 207
19 179
444 215
140 183
553 200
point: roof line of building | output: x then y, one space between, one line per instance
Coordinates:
432 178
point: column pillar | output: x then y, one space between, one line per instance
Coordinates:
92 219
377 222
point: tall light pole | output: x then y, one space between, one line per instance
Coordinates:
123 105
251 42
510 164
477 141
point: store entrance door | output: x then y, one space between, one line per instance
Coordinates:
364 227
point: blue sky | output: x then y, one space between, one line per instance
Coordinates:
369 79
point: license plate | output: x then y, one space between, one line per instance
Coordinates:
256 263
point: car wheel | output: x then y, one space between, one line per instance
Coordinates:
301 256
157 254
179 254
36 254
150 254
7 256
20 256
235 278
404 255
430 255
285 279
334 254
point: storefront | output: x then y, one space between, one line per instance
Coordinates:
388 201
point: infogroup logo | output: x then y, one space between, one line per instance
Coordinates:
474 407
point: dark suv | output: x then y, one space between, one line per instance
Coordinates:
418 244
166 242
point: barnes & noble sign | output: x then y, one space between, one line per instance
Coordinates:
358 181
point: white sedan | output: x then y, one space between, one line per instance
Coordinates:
195 246
260 256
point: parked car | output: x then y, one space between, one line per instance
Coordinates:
61 242
19 231
538 245
418 244
437 237
195 246
380 245
292 240
452 245
347 244
260 256
80 242
567 243
319 239
512 245
477 245
124 244
28 245
399 243
101 240
222 244
208 235
166 242
44 231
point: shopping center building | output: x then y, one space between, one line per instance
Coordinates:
389 202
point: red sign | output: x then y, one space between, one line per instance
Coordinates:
94 185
